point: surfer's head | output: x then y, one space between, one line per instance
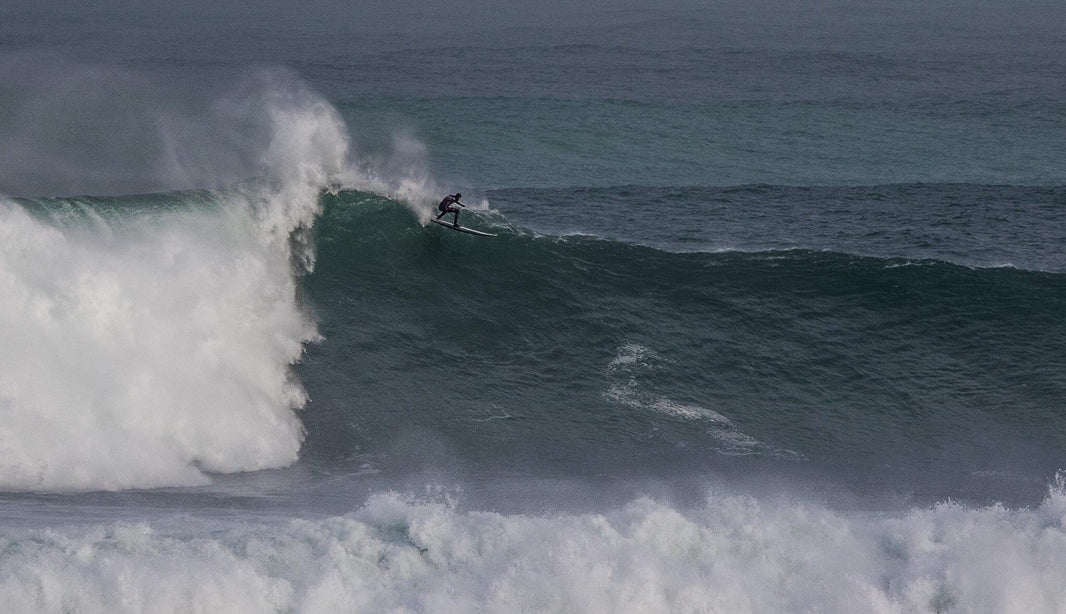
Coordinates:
458 196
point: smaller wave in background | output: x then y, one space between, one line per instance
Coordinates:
967 224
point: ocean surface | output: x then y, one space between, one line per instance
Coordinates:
774 319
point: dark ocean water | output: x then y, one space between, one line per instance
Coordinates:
588 355
773 321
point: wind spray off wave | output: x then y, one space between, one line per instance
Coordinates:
148 340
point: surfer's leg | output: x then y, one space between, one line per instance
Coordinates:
455 221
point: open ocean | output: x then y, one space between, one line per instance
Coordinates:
774 320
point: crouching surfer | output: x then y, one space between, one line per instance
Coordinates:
451 204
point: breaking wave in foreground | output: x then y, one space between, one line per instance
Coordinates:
730 554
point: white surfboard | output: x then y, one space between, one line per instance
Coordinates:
463 229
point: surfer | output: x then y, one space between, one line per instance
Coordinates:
451 204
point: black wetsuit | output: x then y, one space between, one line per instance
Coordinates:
450 204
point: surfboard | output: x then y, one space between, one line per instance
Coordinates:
463 229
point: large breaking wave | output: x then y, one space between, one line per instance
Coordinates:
148 340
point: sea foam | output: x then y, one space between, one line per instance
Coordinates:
141 355
733 554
